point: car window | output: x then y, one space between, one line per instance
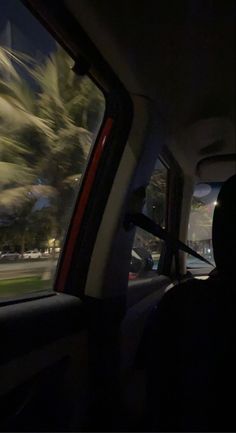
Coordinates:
203 204
147 248
49 118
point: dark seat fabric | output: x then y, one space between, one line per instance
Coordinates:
188 348
189 353
224 230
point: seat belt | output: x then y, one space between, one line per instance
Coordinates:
145 223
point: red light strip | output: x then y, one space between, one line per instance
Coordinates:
81 206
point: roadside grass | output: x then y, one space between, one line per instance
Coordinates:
21 286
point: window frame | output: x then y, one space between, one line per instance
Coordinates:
66 31
174 195
174 191
202 270
163 160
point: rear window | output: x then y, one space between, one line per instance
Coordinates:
200 223
49 118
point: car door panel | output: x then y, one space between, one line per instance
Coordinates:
43 364
143 296
29 325
28 405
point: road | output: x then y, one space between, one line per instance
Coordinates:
43 268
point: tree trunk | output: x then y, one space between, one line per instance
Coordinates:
23 243
54 248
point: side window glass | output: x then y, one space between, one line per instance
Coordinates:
146 249
49 118
203 204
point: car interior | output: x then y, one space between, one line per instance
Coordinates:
117 215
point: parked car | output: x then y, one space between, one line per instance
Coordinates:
32 254
141 261
46 255
10 256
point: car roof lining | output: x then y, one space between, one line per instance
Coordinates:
166 53
181 56
203 140
224 165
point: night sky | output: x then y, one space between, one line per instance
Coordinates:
27 33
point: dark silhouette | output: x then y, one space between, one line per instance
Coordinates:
189 345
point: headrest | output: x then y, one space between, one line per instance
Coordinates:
224 229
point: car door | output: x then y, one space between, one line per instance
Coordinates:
57 128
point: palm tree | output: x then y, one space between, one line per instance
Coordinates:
17 113
73 106
156 196
51 130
